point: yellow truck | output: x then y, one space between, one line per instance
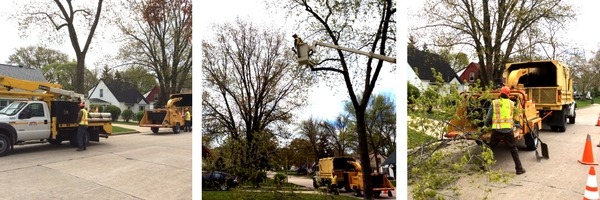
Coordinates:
335 173
171 116
47 113
549 86
471 113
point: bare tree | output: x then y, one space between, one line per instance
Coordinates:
365 25
66 15
250 83
159 38
491 28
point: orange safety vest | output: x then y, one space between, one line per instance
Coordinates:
503 114
84 117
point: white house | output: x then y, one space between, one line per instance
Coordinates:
420 73
117 93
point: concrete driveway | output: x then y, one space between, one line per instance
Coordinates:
132 166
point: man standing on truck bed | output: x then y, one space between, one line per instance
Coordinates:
500 116
82 119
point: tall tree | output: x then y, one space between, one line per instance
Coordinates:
458 61
139 77
67 15
37 57
340 134
159 38
492 29
250 84
368 25
381 125
65 75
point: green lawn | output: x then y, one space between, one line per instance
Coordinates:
118 130
236 194
586 103
133 123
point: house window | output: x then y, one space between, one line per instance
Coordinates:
101 93
156 97
472 76
141 108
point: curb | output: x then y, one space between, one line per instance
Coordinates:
124 133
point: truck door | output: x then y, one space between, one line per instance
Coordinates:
34 122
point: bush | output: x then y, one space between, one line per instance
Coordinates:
127 115
413 93
114 112
279 179
93 108
139 115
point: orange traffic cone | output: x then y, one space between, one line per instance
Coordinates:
598 122
591 187
588 154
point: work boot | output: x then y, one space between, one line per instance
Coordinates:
520 171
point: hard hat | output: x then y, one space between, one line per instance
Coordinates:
82 104
294 35
505 90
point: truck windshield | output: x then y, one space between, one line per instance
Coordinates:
13 108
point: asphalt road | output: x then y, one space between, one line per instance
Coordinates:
132 166
560 177
307 182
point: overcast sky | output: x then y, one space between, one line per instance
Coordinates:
582 32
324 102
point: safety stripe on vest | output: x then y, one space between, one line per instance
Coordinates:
497 120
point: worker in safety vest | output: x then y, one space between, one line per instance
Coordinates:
500 118
187 117
82 120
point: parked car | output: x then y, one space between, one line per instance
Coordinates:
302 171
218 180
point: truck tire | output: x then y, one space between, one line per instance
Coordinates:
531 139
376 193
55 141
563 127
390 193
154 129
176 128
4 145
356 192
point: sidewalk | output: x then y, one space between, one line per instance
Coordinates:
137 129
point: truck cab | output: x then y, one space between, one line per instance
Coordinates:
30 119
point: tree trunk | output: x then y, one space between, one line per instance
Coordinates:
364 152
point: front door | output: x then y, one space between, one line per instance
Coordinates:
34 122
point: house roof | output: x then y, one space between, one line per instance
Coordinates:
423 61
391 159
20 72
125 92
98 101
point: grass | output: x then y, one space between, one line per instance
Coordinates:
416 139
133 123
118 130
586 102
236 194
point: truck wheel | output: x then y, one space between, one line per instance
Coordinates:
531 139
4 145
55 141
154 129
356 192
376 193
176 128
390 193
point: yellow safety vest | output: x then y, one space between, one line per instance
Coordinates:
84 117
503 114
188 116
